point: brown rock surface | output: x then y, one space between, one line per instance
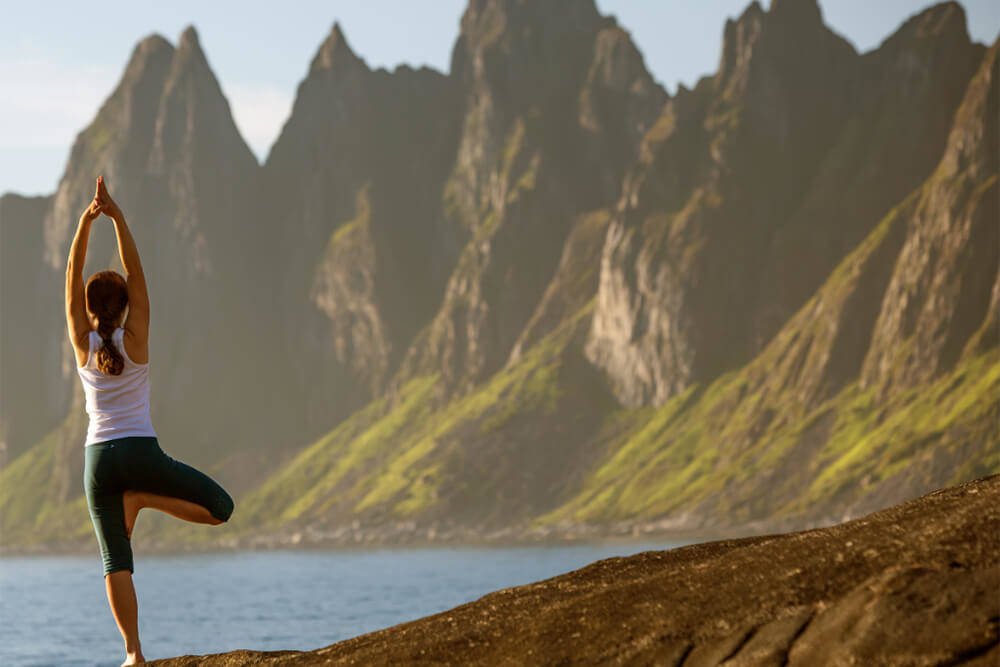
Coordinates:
913 584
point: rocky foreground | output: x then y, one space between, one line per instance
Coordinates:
915 584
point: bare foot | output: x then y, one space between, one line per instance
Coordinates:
133 658
132 502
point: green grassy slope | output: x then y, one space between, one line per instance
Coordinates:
471 458
33 510
844 454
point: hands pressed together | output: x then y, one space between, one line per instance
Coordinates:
101 203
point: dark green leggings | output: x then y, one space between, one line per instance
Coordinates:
138 463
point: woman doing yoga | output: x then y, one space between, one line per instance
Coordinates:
125 470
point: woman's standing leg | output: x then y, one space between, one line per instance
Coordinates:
125 609
103 488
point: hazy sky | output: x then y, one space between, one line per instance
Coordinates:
60 60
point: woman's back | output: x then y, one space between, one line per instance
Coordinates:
118 405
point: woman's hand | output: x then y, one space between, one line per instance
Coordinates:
95 208
108 205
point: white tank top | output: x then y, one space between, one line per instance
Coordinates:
118 405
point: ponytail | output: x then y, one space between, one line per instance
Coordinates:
109 359
107 297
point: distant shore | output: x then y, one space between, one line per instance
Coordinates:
409 534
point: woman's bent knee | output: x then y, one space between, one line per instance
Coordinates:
222 508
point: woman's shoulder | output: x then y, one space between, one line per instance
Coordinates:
120 339
82 352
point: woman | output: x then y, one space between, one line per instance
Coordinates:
125 470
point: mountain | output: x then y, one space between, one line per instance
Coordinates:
169 149
175 162
356 214
757 182
537 295
792 435
556 98
803 431
30 378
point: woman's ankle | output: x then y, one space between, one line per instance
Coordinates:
132 656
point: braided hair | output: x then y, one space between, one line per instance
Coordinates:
107 296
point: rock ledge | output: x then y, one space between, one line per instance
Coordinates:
918 583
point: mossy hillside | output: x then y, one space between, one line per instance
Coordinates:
472 454
771 424
678 454
955 419
316 476
532 400
709 450
680 460
30 512
275 499
420 458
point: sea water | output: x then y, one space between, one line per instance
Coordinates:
53 609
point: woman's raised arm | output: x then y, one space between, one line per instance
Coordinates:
137 321
77 321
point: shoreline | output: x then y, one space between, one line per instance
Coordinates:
408 535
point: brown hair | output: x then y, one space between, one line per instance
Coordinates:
107 296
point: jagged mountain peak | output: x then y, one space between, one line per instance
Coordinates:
790 37
617 60
753 11
943 21
191 101
804 12
334 53
189 37
737 38
153 52
189 52
973 139
152 43
487 21
618 73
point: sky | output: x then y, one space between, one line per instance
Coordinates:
62 59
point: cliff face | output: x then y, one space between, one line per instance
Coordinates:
555 100
742 271
909 87
32 398
358 229
810 419
756 183
939 294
